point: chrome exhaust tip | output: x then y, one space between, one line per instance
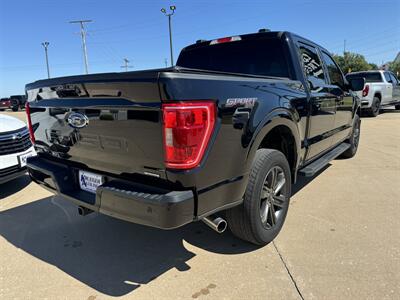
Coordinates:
216 223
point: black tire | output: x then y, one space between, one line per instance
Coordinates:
375 107
249 221
397 107
15 108
354 139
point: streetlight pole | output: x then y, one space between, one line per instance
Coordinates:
46 45
169 15
83 35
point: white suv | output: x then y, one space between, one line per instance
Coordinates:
382 88
15 148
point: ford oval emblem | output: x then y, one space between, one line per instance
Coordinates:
77 120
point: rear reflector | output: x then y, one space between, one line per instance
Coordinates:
226 40
187 130
29 121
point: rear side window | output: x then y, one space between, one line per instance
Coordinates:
387 77
264 57
335 75
312 65
394 79
369 76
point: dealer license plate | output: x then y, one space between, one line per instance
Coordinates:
89 182
23 158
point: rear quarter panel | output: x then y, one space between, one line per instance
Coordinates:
239 129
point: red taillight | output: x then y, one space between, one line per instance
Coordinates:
187 130
365 91
29 121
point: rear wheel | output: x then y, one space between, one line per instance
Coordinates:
375 107
397 107
266 201
354 139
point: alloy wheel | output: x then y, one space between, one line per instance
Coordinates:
272 197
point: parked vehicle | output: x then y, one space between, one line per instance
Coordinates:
382 88
15 148
4 104
17 102
228 129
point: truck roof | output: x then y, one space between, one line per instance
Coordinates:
368 71
262 33
267 34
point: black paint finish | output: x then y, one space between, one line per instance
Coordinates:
124 136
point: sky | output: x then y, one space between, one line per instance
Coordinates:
138 31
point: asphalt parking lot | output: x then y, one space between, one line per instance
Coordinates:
341 240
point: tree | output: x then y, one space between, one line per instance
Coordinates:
353 62
395 67
373 66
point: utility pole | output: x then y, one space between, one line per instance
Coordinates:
344 54
169 15
83 35
125 66
46 45
166 62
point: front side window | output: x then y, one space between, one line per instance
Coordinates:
312 65
334 72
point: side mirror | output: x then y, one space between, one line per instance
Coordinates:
314 86
357 84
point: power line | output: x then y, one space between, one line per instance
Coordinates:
367 35
378 46
148 23
83 35
370 39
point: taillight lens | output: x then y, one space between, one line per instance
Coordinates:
365 91
29 121
187 129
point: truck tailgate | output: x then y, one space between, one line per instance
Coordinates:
107 122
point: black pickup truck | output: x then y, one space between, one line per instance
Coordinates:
17 102
220 137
